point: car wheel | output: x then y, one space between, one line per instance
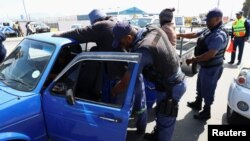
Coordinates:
195 68
232 116
235 118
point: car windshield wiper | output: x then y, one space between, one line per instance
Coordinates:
19 81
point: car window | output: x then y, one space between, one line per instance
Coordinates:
23 68
90 83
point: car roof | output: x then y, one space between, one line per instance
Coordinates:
47 37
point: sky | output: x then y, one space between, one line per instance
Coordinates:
51 8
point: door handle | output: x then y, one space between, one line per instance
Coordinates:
116 120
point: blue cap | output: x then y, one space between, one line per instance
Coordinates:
214 13
95 15
120 30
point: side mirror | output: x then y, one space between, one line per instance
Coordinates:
70 97
59 88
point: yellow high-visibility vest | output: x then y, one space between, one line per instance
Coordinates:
239 27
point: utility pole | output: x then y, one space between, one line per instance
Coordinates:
218 3
178 6
27 17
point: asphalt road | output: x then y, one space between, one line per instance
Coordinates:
187 128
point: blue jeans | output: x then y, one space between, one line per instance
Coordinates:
207 82
166 124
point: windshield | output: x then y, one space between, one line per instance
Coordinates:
140 22
22 69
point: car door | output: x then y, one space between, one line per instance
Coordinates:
75 109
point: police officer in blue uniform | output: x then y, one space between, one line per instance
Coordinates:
209 54
159 64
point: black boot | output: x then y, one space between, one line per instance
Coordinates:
205 114
152 136
195 105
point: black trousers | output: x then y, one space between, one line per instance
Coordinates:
238 42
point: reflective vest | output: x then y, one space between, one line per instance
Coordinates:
239 28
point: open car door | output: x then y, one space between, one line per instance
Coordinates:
78 106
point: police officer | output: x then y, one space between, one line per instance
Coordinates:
100 32
240 33
159 64
2 48
209 54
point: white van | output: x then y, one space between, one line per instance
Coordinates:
179 22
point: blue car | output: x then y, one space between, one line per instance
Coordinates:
43 96
8 31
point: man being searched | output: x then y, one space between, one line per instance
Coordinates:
209 54
100 32
166 17
240 33
159 64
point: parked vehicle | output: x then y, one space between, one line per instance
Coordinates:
6 28
196 21
75 26
185 49
70 106
143 21
178 21
203 22
228 26
40 27
239 98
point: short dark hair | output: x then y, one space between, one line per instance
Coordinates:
166 15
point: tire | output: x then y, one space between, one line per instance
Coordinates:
232 116
235 118
195 68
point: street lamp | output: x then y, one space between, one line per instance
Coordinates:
218 3
27 18
178 7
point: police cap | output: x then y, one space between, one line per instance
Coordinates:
214 13
120 30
